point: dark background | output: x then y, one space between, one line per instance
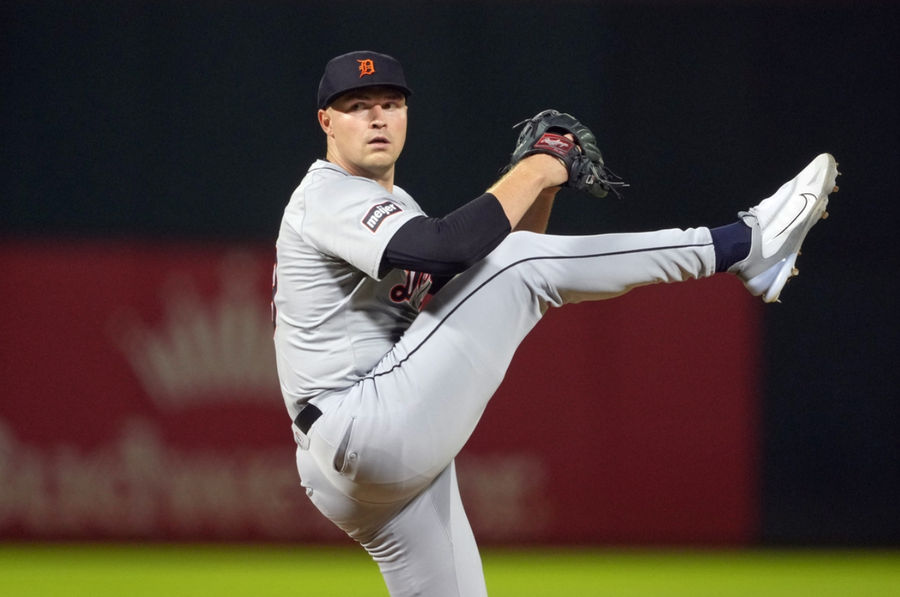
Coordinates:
195 120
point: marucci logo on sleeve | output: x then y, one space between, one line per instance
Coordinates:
378 213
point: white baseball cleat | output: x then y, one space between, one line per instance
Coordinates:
780 223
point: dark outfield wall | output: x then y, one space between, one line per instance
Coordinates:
194 120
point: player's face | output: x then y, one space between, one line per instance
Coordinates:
366 131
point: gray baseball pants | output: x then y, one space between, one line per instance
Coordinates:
379 463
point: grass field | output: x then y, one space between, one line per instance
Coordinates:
257 571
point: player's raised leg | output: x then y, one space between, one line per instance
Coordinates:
432 388
387 437
456 353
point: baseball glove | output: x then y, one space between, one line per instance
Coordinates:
545 133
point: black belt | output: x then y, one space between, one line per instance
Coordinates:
308 415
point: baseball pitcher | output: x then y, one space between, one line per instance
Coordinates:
384 393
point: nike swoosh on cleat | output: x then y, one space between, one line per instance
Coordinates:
791 223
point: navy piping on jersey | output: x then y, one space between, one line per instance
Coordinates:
510 266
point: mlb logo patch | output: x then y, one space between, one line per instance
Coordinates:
378 213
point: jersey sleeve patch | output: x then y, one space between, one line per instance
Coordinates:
379 213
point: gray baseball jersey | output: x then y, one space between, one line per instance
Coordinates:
335 317
401 390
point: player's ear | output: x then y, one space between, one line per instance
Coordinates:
325 121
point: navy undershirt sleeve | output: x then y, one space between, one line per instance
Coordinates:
449 245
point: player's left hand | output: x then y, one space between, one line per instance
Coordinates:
563 136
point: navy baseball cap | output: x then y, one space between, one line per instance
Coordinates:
356 70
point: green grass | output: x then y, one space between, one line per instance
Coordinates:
259 571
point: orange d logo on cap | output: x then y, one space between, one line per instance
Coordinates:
366 67
355 70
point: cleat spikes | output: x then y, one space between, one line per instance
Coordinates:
795 271
824 215
835 189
